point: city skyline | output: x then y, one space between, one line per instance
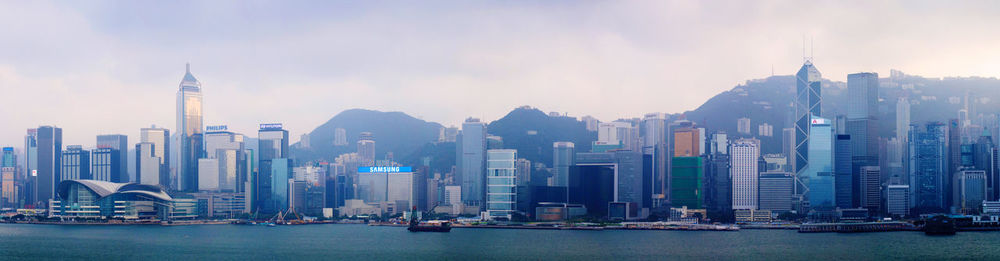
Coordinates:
323 65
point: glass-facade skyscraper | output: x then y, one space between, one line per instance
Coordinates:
501 183
44 158
928 162
118 144
562 158
808 103
818 176
862 111
273 166
473 161
190 131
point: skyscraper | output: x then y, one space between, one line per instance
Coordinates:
501 175
686 179
473 162
776 191
563 157
226 150
686 139
75 163
972 191
897 200
273 166
118 144
159 140
147 165
903 119
104 163
339 137
44 162
871 193
745 173
654 143
718 186
808 103
843 177
928 163
818 175
862 95
190 129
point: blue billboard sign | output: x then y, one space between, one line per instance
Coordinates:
384 169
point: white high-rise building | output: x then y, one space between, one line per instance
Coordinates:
339 137
157 149
743 126
744 171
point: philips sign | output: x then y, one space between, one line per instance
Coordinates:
384 169
217 128
270 126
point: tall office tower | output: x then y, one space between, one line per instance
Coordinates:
501 188
103 162
452 195
903 119
776 191
304 141
744 171
339 137
615 135
986 160
928 163
719 143
75 163
44 162
227 152
686 138
686 179
818 175
273 168
473 162
954 161
366 148
118 144
765 130
190 129
718 188
788 147
590 122
743 126
523 172
562 158
8 171
862 110
147 165
897 200
159 140
972 191
843 175
871 193
655 140
808 103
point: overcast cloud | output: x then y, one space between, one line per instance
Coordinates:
95 67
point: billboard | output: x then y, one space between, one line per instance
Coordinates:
384 169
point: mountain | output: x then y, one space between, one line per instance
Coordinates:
531 132
394 132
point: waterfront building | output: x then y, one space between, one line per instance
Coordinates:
452 195
378 185
524 171
501 183
686 139
718 186
75 163
871 193
686 176
274 169
208 175
190 131
818 176
862 111
44 161
562 158
103 162
654 143
928 163
9 194
95 199
472 162
228 154
972 184
843 175
897 200
118 145
598 179
158 140
776 191
808 103
745 173
220 204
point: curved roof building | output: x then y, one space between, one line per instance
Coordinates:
102 199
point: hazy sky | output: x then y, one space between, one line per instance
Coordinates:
95 67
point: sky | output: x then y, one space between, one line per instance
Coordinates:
100 67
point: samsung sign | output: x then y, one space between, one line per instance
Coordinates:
217 128
270 126
384 169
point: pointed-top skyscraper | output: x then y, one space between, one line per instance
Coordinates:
808 101
190 130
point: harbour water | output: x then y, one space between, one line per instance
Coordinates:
356 242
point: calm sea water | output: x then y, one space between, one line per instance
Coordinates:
355 242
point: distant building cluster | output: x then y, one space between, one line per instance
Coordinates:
659 166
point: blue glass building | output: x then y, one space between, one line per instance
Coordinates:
928 161
819 176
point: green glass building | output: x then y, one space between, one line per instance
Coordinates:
686 182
